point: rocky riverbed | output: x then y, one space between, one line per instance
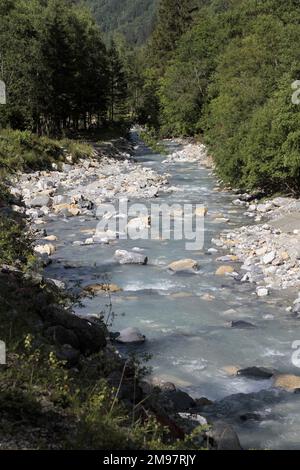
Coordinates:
164 289
270 248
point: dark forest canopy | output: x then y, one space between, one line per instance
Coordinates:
225 73
131 18
57 70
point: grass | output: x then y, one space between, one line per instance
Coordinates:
25 151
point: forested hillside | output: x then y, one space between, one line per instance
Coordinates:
58 72
225 72
132 18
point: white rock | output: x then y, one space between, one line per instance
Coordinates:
269 257
131 335
47 249
127 257
262 291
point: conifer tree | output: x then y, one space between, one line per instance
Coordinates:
117 84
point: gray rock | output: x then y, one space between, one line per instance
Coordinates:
242 324
131 336
180 400
251 417
224 437
256 373
39 201
127 257
262 291
61 199
79 333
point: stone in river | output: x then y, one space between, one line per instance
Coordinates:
208 297
68 210
184 265
127 257
139 223
47 249
201 211
231 370
223 270
51 238
100 288
242 324
256 373
229 258
131 336
287 382
262 291
250 417
40 201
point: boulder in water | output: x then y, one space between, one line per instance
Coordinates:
47 249
224 270
242 324
95 289
131 336
184 265
129 257
287 382
256 373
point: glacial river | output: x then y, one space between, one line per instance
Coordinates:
188 336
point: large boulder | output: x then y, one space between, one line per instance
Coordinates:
256 373
180 400
223 437
130 257
183 265
90 337
287 382
47 249
131 336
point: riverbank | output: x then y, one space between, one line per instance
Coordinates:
84 186
64 376
269 248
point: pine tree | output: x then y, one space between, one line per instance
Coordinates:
117 84
174 16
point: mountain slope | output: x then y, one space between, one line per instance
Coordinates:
133 18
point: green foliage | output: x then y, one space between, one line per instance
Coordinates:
150 137
229 77
14 244
25 151
131 18
117 84
56 67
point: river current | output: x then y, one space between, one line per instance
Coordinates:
188 336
